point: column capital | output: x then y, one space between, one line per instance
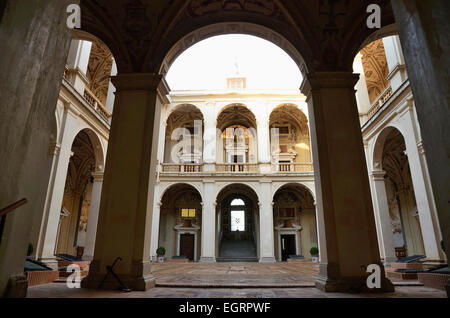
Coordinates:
98 176
378 175
136 81
320 80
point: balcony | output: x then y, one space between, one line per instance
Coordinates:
96 104
79 82
237 168
379 102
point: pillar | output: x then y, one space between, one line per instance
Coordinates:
208 244
423 29
381 207
396 63
155 229
27 120
91 231
348 239
111 90
424 198
52 210
78 61
266 228
209 139
125 218
263 139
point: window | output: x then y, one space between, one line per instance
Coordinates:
188 213
283 148
236 202
237 221
286 212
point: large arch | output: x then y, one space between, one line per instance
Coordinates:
185 41
180 221
390 156
185 121
295 222
240 244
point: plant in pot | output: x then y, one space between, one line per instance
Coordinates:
30 249
314 251
160 252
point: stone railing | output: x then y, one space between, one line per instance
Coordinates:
294 167
379 102
181 168
236 168
96 104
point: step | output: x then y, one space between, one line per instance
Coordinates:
237 259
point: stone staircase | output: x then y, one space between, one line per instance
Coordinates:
237 251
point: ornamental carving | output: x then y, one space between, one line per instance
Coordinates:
375 68
265 7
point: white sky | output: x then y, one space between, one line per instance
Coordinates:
207 64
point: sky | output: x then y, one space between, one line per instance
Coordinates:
207 64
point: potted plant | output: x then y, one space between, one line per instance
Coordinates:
314 251
160 252
30 249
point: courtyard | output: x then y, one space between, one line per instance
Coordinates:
232 280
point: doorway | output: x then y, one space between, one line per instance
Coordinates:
187 246
287 246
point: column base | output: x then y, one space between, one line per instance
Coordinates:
17 287
267 260
205 259
354 284
50 262
389 260
140 279
448 288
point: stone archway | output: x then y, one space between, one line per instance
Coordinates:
237 229
294 222
180 222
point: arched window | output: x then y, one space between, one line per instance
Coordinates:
237 202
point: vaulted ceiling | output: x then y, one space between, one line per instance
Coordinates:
140 33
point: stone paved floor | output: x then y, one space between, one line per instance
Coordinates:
230 280
252 275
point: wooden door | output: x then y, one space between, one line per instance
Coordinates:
187 245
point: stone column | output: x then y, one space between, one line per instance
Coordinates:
111 90
155 229
424 198
423 29
266 228
91 231
209 139
52 210
208 248
396 63
28 116
348 239
125 219
263 139
381 207
78 61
